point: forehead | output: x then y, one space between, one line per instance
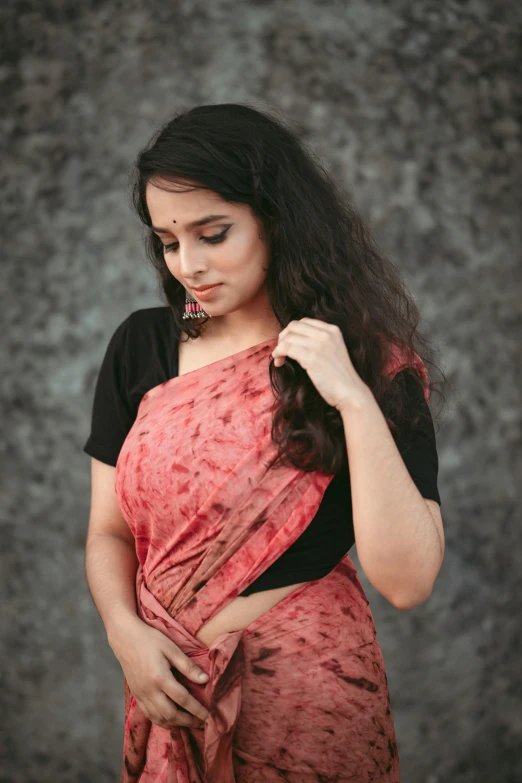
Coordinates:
180 204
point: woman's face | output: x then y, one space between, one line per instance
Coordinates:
227 249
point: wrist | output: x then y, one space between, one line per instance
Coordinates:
119 626
357 401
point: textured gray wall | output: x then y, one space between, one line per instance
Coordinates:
417 106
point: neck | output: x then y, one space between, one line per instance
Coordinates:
241 328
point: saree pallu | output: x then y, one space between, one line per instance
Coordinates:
299 695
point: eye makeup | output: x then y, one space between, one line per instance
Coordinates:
214 240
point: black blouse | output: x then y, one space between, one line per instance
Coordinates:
142 353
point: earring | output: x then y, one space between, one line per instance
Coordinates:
193 308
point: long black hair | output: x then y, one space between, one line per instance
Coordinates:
323 263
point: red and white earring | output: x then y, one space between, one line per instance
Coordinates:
193 308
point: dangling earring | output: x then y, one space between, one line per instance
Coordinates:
193 308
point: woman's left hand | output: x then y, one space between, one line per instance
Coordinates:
321 351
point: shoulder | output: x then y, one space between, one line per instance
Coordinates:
147 327
149 350
149 318
401 362
139 331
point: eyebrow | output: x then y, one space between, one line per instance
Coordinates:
194 224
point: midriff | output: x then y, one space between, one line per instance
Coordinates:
242 611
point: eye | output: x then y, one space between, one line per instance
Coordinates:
214 240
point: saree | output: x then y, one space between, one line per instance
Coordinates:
299 695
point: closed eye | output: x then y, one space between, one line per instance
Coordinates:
214 240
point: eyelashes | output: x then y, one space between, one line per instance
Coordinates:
214 240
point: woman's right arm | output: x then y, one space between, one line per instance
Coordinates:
146 655
110 556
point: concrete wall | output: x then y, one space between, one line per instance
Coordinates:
417 106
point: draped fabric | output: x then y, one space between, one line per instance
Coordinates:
299 695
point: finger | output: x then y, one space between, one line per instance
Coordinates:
182 663
166 715
305 326
148 708
175 691
322 326
174 715
294 346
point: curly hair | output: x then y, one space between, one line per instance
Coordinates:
323 264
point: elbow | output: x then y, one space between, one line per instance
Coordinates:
403 592
408 595
410 600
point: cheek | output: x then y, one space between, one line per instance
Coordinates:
248 261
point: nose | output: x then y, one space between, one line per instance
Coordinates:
192 261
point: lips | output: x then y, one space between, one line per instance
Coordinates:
205 287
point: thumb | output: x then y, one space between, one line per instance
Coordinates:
183 663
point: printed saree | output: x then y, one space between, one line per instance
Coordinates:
301 694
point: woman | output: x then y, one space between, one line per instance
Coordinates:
243 438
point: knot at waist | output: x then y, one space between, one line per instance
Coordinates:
224 662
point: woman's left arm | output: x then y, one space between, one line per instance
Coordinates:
399 534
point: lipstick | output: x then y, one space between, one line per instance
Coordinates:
207 293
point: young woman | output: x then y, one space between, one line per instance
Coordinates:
243 438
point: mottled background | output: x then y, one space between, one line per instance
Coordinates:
417 107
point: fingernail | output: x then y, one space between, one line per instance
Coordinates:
202 676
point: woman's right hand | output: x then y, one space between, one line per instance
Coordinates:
146 656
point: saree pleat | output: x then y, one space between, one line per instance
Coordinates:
301 694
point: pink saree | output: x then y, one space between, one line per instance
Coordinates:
301 694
